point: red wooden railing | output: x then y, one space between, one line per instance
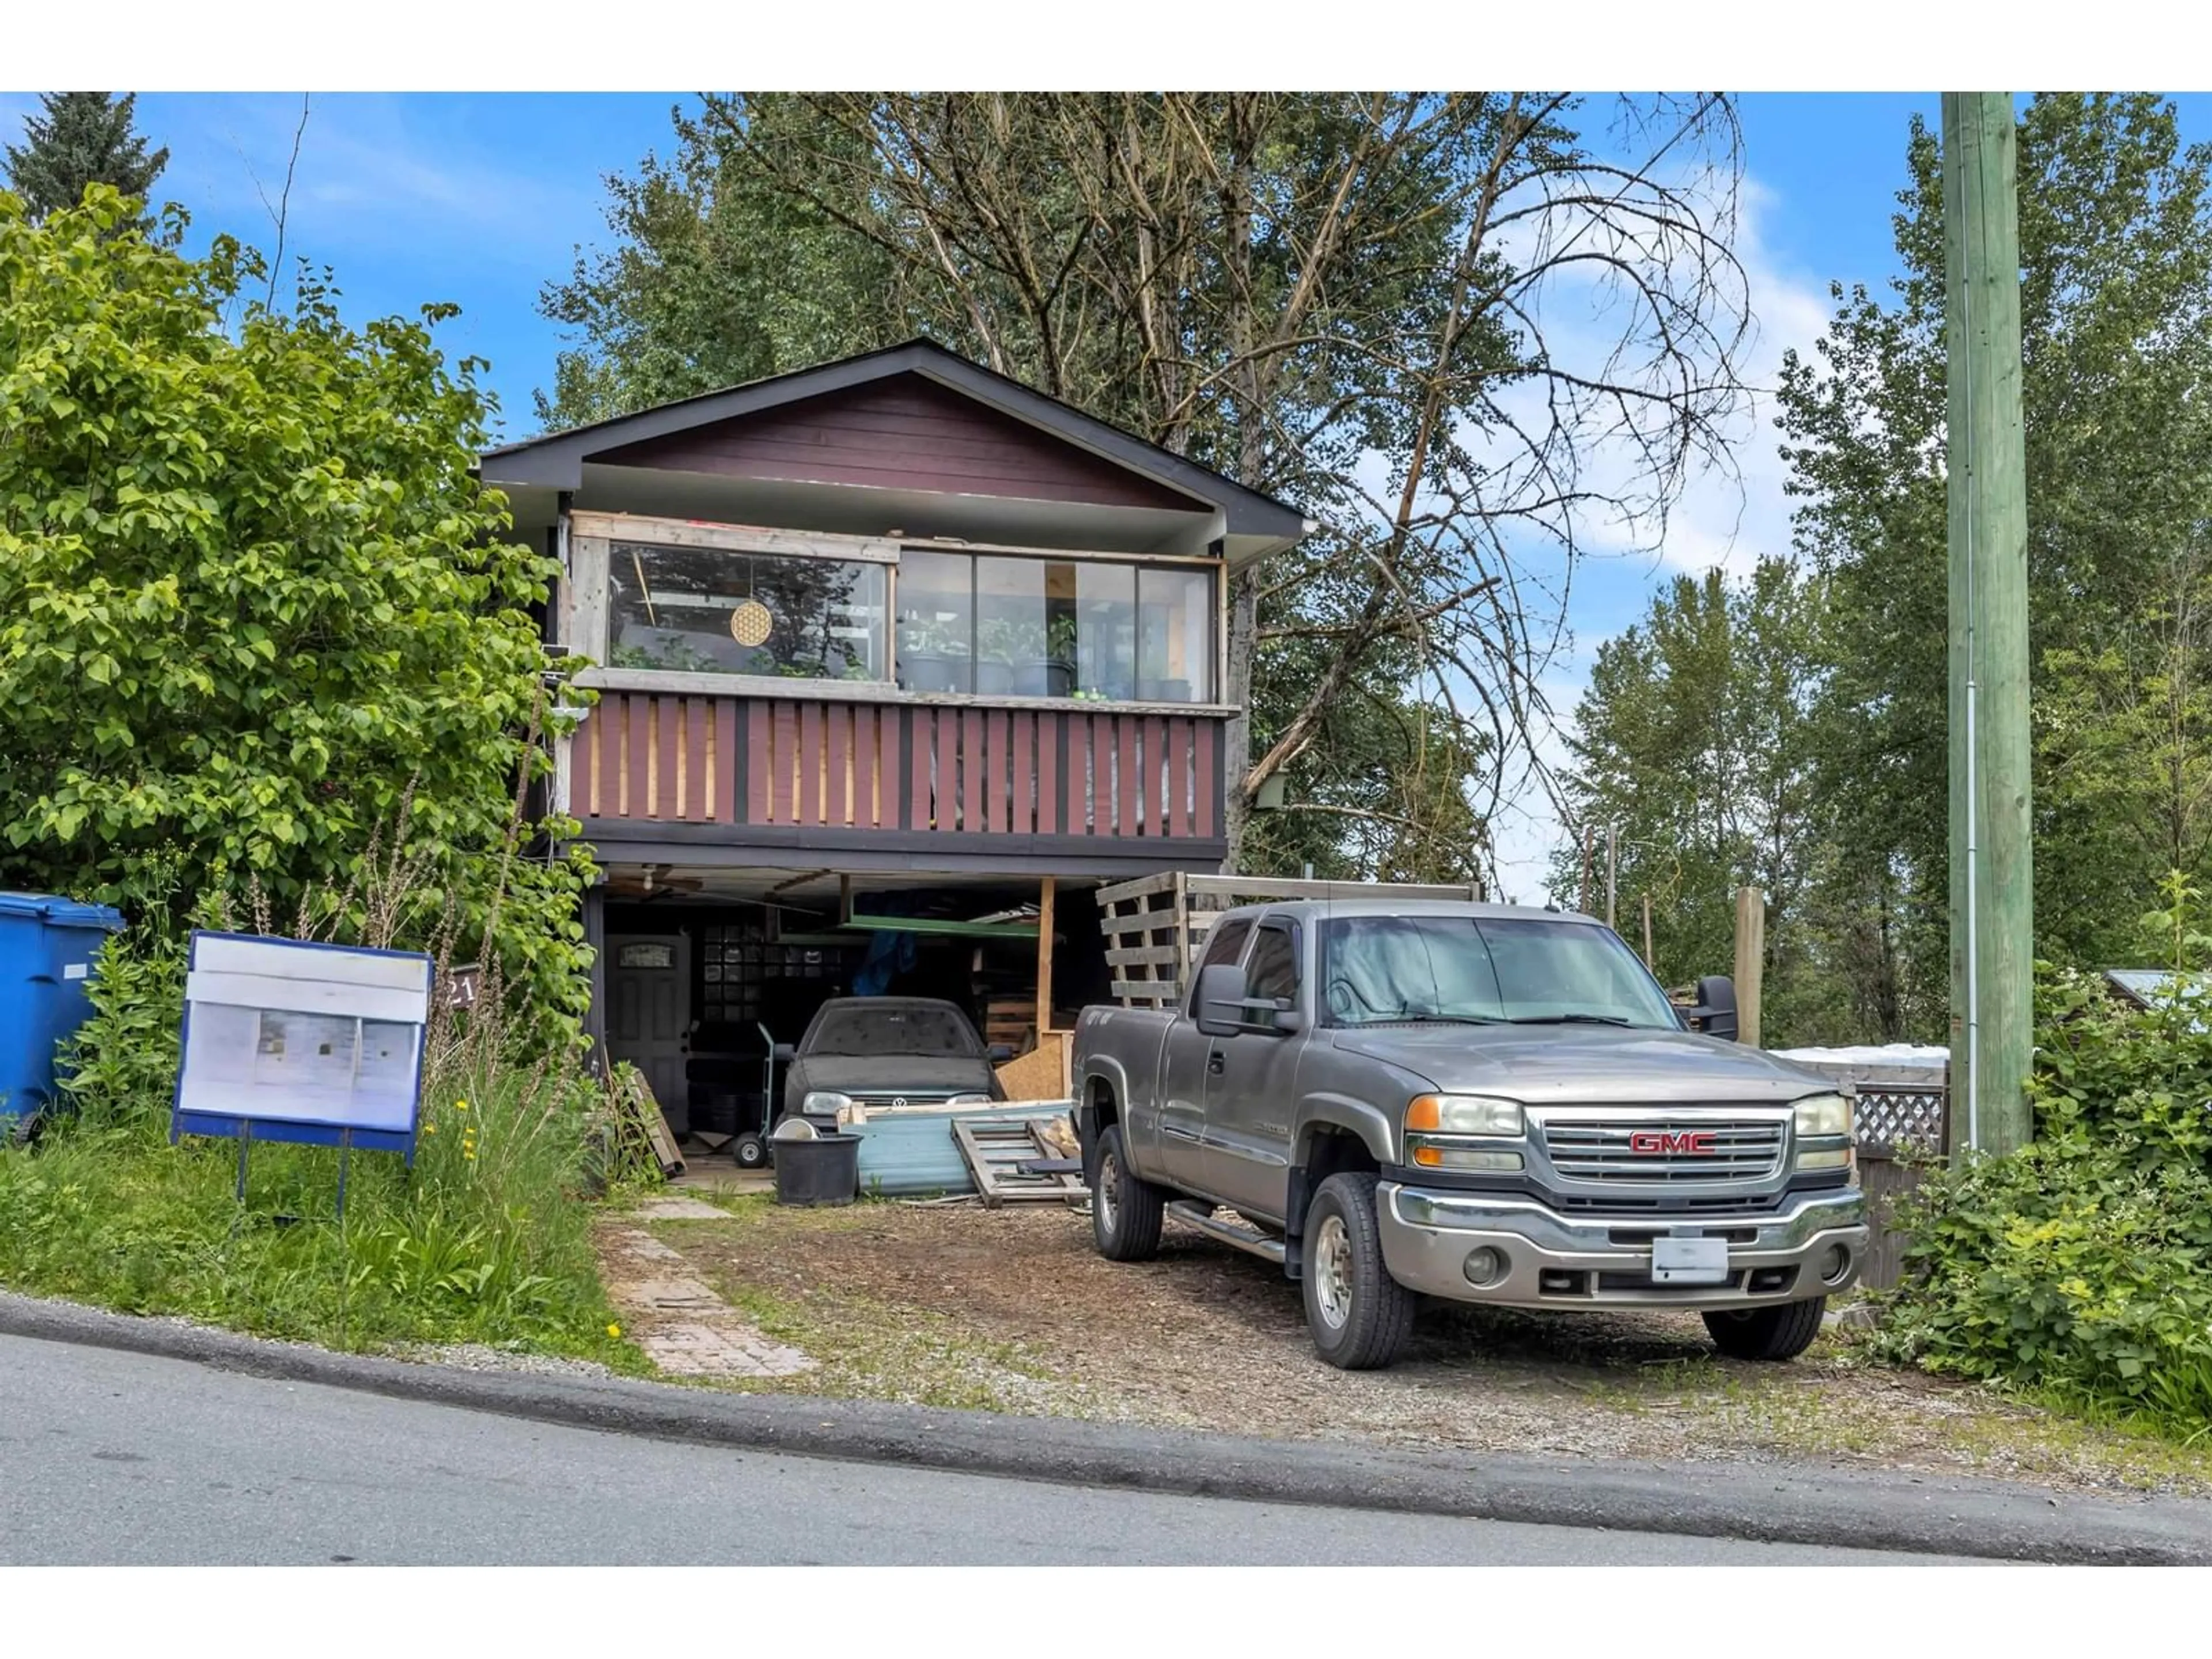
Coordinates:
963 770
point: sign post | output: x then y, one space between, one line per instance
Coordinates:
317 1044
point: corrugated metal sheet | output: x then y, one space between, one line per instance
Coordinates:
912 1154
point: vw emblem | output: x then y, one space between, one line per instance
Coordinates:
897 1102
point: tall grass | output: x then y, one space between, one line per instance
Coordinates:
487 1239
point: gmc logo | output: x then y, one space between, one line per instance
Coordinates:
1697 1142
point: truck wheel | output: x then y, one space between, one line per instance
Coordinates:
1770 1332
1359 1315
1125 1207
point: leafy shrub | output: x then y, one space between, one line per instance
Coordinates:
254 603
2078 1264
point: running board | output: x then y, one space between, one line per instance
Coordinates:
1249 1239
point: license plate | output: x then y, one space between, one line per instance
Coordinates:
1689 1261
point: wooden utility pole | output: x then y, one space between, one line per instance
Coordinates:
1647 962
1584 903
1750 960
1992 862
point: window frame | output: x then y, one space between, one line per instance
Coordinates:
584 612
1211 570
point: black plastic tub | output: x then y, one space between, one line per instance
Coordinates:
825 1170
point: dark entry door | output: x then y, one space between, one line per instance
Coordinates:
650 1011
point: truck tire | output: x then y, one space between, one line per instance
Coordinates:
1125 1207
1781 1331
1359 1315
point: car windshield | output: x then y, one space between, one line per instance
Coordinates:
888 1030
1382 970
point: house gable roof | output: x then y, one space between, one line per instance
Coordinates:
557 460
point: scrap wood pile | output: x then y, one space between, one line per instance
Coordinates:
1024 1151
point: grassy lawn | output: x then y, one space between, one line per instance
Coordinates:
486 1241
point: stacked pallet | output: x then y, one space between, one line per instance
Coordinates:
1156 926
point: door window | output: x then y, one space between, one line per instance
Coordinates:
1223 944
1274 969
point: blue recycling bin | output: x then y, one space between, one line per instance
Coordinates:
48 947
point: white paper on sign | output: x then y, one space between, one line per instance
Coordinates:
279 1031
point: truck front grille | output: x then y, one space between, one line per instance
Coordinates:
1624 1149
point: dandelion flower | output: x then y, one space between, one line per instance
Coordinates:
470 1156
460 1105
429 1129
614 1331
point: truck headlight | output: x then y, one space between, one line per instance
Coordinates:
824 1102
1465 1114
1823 1117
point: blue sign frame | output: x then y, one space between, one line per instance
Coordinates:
245 1129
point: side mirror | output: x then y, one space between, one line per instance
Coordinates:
783 1053
1289 1021
999 1054
1715 1013
1219 1003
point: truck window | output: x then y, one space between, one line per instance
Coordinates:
1273 968
1382 969
1224 940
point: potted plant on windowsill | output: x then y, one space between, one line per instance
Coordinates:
932 656
1010 658
1058 665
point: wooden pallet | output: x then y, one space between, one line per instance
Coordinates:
995 1150
1155 925
637 1093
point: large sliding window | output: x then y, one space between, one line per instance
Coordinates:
1012 626
713 610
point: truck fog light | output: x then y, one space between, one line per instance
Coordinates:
1485 1266
1835 1264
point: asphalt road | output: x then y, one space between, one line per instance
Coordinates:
125 1459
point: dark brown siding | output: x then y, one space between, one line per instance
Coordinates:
903 433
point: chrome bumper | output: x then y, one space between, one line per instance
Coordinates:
1552 1260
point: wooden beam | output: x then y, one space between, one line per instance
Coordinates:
1048 891
1750 960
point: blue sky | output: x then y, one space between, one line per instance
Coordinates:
481 199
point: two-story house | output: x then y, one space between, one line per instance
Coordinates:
897 660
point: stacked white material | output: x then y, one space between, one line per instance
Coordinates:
1905 1055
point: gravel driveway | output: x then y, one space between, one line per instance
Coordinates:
1013 1311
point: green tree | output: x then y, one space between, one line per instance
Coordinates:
1695 742
254 609
81 138
2115 249
1311 293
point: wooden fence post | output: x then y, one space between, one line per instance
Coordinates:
1750 960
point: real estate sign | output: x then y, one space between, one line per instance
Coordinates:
285 1040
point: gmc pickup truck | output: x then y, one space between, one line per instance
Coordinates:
1480 1103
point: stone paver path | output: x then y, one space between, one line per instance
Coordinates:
683 1326
677 1207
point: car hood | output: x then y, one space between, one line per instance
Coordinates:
1585 1064
894 1075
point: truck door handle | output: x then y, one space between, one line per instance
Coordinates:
1214 1062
